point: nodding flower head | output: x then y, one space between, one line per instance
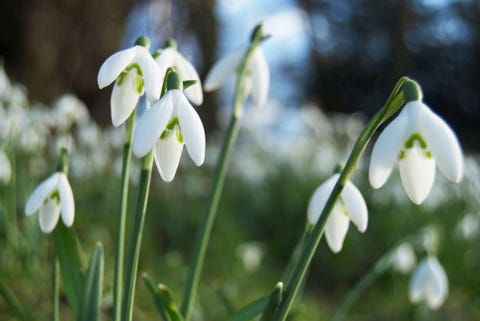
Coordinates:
429 283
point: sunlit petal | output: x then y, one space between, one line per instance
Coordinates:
48 215
222 69
66 200
319 198
124 99
40 194
336 228
386 149
356 206
151 74
188 72
151 125
417 173
442 142
191 127
114 65
260 77
167 156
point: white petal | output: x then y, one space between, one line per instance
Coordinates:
167 156
114 65
416 288
151 125
67 202
188 72
442 142
124 99
222 69
356 206
260 77
437 289
40 194
336 229
5 168
48 216
191 127
165 60
319 198
386 149
151 74
417 173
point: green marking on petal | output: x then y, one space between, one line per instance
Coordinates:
428 154
179 137
173 123
136 67
415 137
402 154
342 206
165 134
140 83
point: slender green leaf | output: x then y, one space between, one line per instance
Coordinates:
72 265
251 310
12 303
273 302
90 308
169 303
153 289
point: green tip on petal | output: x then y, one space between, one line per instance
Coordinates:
171 43
412 91
173 81
143 41
257 34
188 83
156 53
63 166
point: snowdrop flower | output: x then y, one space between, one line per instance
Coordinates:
257 80
429 283
5 168
418 138
166 126
134 71
403 259
349 207
170 57
52 198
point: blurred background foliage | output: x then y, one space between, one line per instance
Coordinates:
328 58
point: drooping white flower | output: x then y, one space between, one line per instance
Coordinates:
403 259
257 80
349 207
418 138
5 168
429 283
52 198
170 57
134 71
166 126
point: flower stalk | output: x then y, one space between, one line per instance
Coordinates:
395 101
221 169
122 217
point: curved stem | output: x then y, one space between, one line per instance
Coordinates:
136 237
221 169
122 217
393 104
55 289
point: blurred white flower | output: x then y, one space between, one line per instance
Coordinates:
429 283
170 57
5 168
257 80
418 138
251 254
403 259
167 126
5 84
70 110
134 71
52 198
468 226
349 207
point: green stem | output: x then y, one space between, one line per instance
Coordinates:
56 289
122 217
221 169
136 237
393 104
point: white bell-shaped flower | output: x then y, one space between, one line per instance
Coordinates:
170 57
257 80
166 126
429 283
52 198
134 71
349 207
418 138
